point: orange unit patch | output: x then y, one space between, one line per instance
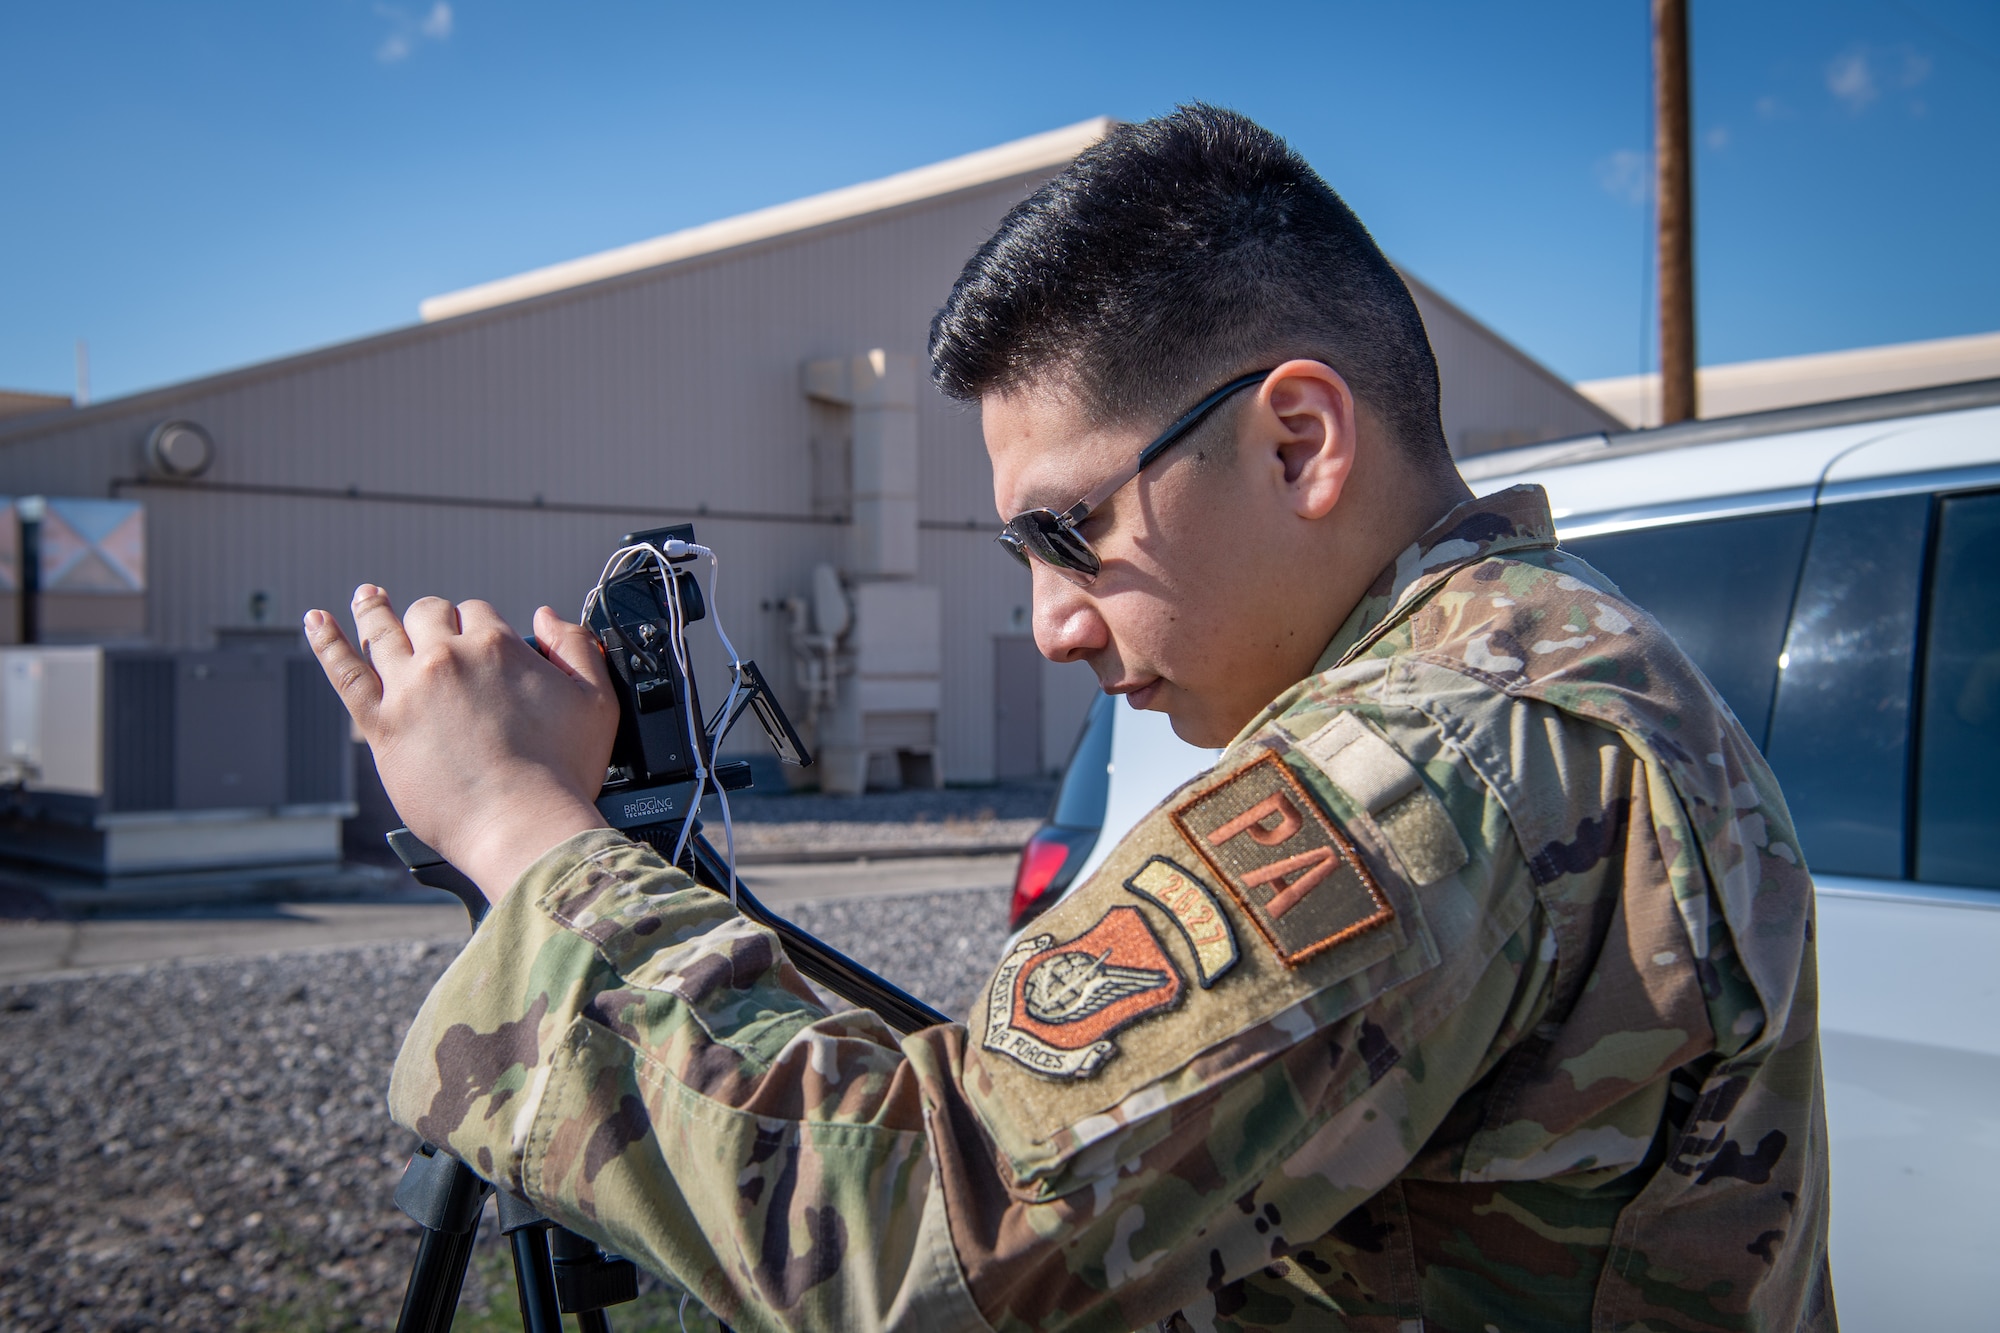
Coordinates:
1293 872
1053 1006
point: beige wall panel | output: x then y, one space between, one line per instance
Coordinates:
1494 395
218 550
986 594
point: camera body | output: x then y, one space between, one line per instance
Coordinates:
663 741
654 781
657 699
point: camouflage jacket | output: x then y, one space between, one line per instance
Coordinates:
1473 989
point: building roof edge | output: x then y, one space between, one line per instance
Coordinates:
928 182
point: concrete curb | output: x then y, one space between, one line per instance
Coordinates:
28 893
792 856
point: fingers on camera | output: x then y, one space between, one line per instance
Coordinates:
477 617
574 650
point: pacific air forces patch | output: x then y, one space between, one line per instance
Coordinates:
1053 1006
1293 872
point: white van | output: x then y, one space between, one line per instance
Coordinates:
1835 570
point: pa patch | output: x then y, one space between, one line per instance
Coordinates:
1295 874
1054 1007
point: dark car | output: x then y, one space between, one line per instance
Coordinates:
1062 844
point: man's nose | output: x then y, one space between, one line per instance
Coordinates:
1068 625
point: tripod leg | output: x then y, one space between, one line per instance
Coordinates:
535 1281
527 1232
436 1278
444 1198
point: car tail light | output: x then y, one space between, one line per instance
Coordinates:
1041 861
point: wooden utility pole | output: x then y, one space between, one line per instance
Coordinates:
1674 200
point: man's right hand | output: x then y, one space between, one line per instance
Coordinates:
491 752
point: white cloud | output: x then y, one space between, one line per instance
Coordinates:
1718 138
1858 77
1771 108
1851 79
1627 174
407 31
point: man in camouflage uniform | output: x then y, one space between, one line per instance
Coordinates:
1472 989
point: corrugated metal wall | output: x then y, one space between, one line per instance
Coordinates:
1496 396
674 389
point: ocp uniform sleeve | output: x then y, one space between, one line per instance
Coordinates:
618 1046
1248 1022
1360 995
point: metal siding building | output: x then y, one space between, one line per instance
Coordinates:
499 449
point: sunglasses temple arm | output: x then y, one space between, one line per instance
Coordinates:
1173 435
1081 510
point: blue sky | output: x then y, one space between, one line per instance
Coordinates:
194 186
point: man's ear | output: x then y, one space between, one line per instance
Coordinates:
1306 416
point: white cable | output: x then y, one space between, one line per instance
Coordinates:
728 710
662 557
677 640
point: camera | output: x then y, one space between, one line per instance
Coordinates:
663 757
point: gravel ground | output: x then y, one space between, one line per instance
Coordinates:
776 826
918 806
816 841
202 1145
940 947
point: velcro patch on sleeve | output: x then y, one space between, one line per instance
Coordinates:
1295 875
1387 788
1168 969
1053 1005
1191 904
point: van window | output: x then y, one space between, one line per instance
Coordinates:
1722 588
1840 731
1958 812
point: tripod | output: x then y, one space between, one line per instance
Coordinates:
556 1271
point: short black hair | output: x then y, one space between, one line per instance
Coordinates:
1173 254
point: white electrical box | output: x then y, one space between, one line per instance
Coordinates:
52 719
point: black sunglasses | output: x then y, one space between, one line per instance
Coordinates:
1052 537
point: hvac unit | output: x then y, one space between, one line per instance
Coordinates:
126 761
